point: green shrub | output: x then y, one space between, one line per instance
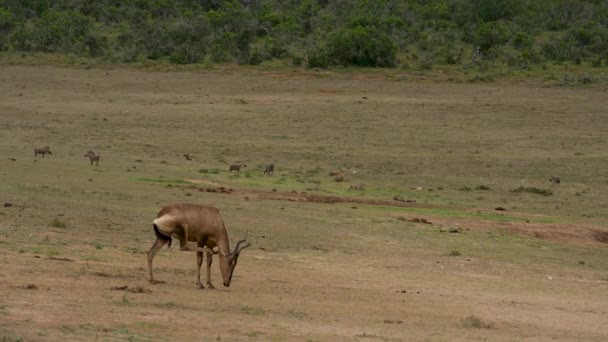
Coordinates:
358 45
59 30
57 223
491 35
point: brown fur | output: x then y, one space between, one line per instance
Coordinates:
42 150
269 169
236 166
555 180
201 224
93 158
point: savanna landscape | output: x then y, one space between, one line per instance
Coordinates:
445 227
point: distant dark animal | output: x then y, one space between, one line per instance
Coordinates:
555 180
339 177
42 150
269 169
237 166
336 172
93 158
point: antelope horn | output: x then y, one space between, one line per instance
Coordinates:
238 247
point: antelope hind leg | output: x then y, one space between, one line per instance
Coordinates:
151 253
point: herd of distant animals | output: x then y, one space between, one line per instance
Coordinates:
268 169
201 224
93 158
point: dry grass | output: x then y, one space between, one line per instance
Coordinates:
317 271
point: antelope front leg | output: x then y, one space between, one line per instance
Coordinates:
199 262
209 260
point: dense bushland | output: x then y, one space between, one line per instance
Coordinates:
315 33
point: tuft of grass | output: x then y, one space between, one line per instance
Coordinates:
455 253
465 188
256 310
124 300
57 223
482 187
534 190
90 258
172 305
209 171
97 245
476 322
372 336
482 78
315 171
297 314
8 339
52 252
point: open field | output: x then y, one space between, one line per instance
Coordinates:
328 263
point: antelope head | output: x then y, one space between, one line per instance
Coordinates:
228 261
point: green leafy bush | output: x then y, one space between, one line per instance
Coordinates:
59 31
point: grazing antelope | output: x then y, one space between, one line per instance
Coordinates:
93 158
201 224
555 179
237 167
42 150
269 169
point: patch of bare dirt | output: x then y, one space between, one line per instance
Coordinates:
601 236
60 258
567 233
294 196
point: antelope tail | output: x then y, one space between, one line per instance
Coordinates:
161 235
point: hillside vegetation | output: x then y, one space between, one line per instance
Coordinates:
418 34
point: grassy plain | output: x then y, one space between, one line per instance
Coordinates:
317 271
